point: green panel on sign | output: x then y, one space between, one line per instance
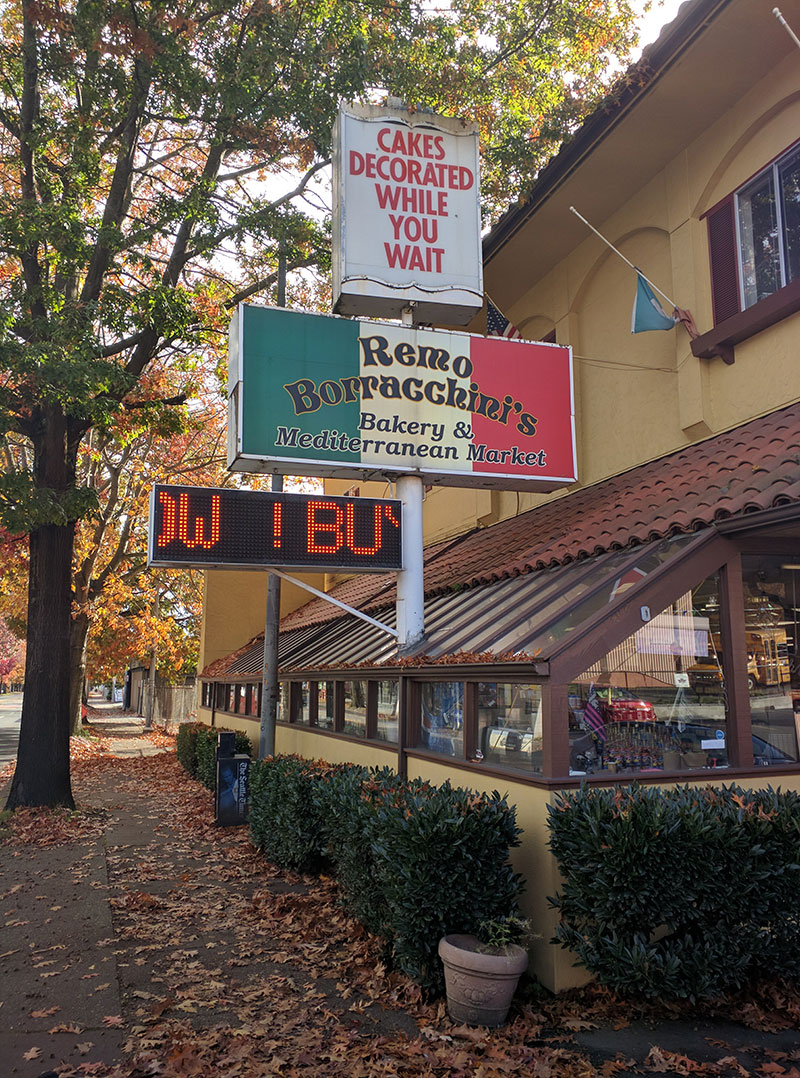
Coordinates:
283 348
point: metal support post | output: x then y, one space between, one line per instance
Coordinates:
270 689
410 579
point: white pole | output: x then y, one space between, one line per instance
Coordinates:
777 13
410 579
655 287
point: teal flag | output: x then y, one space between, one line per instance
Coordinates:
647 311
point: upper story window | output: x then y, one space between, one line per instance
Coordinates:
754 238
769 229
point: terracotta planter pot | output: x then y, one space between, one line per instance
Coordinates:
480 985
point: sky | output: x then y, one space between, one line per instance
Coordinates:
658 15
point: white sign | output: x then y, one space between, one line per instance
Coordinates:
406 228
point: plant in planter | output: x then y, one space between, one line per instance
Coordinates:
481 972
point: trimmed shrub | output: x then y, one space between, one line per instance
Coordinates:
345 813
206 750
681 893
441 857
197 750
349 802
186 746
284 819
413 861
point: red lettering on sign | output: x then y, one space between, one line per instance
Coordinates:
199 538
377 532
335 528
277 523
169 519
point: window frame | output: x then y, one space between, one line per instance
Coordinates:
773 169
732 326
338 681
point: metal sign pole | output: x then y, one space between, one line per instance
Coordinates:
270 689
410 579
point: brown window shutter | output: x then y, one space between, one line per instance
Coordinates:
724 271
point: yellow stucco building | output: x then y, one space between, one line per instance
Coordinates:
643 623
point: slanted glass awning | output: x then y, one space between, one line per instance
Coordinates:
521 619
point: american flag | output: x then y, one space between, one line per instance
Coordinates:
592 716
497 325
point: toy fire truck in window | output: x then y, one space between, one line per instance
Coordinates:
618 734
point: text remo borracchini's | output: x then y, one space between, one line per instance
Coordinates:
320 395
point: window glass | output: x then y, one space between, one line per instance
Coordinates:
303 711
387 711
442 718
771 597
231 701
283 702
510 725
355 708
255 699
222 693
241 699
789 172
656 701
610 582
768 211
325 704
759 240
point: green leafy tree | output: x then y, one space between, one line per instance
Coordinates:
153 162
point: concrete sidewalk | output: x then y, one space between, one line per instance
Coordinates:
125 730
59 972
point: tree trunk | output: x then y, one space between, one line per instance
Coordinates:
42 774
78 637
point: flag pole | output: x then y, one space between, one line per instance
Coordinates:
655 287
777 13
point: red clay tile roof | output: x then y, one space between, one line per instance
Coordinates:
754 467
751 468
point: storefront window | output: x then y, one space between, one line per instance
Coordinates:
657 701
771 597
326 703
283 702
442 718
386 729
231 701
255 700
355 708
241 699
303 710
510 725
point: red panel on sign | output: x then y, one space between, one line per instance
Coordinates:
538 437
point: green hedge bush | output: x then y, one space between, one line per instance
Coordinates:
442 861
284 819
685 892
186 746
197 750
413 861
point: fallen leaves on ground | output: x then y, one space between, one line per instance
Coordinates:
229 966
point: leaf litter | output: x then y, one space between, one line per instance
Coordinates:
230 966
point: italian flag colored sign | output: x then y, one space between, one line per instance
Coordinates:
320 395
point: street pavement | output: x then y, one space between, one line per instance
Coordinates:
10 712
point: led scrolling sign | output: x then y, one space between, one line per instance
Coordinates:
210 527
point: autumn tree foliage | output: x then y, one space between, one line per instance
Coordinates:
153 162
12 654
